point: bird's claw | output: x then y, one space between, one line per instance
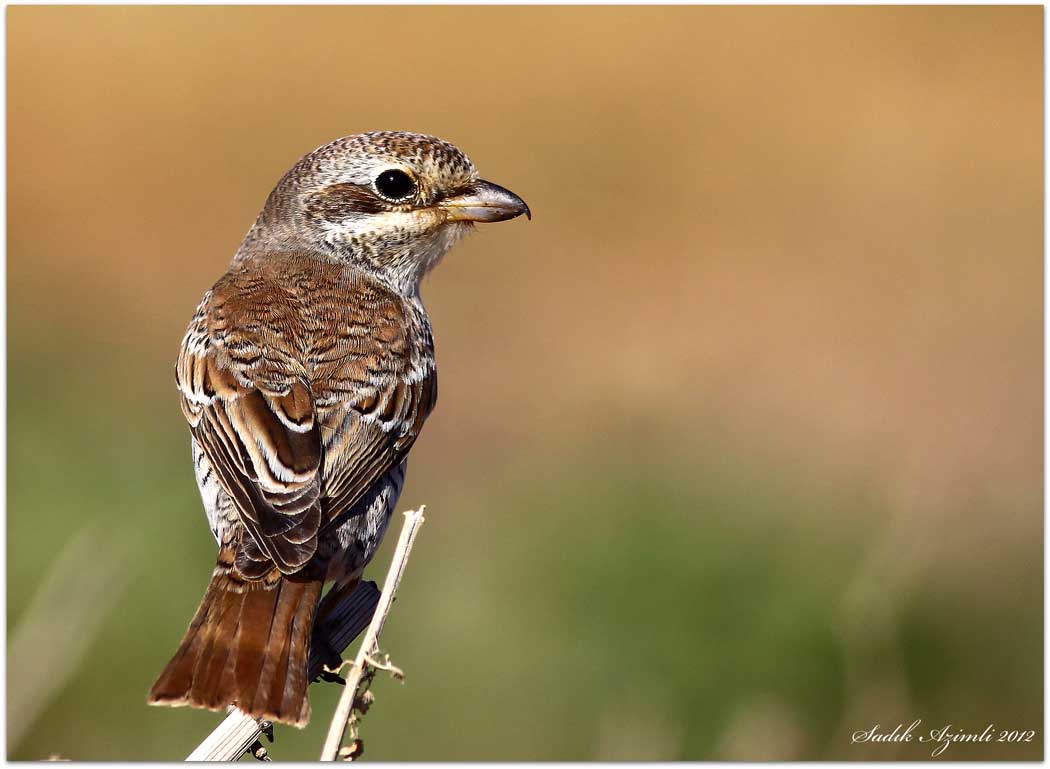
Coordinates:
258 751
331 677
332 661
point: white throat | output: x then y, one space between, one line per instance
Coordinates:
390 247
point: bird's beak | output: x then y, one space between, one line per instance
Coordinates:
484 202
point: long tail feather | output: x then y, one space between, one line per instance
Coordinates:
248 645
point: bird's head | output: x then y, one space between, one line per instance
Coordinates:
393 202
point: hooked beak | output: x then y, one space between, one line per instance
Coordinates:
484 202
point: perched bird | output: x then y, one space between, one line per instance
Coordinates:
306 376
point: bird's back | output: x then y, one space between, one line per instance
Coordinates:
289 317
340 348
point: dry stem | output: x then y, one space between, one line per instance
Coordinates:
370 645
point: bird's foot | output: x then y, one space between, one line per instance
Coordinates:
331 662
257 749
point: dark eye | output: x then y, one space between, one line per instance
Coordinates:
395 184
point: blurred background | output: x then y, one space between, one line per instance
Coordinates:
740 441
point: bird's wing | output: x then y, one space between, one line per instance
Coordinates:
296 442
375 384
259 434
368 435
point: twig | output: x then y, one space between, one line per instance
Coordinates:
370 644
236 735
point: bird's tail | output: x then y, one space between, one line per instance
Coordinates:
248 645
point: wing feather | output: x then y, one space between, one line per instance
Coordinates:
303 390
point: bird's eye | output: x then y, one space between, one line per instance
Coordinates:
395 184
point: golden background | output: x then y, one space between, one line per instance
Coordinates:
739 447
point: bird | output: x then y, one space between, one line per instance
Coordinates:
306 375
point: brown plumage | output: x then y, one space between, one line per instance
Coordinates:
306 376
247 643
